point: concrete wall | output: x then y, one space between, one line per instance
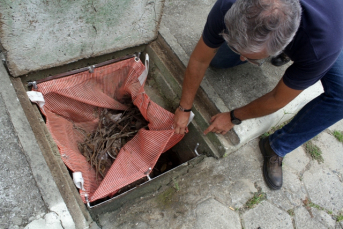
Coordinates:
40 34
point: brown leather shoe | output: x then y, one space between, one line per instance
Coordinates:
272 165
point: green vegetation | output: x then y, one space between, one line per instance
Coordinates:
337 217
314 151
165 199
291 212
275 128
176 185
256 199
313 205
338 135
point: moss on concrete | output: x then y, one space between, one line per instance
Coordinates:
165 199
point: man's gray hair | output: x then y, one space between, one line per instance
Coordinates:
254 25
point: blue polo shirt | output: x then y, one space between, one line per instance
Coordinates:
313 50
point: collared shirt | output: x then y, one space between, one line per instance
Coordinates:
313 50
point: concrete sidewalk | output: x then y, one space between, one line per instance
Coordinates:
224 193
230 192
29 196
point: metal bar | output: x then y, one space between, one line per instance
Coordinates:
89 68
195 150
145 183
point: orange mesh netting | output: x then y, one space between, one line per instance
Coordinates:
72 102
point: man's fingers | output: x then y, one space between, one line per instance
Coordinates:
213 118
180 130
223 132
209 129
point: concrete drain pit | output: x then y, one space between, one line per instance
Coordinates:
163 86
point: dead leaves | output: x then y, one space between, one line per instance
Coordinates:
115 129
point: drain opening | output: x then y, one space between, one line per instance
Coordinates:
160 117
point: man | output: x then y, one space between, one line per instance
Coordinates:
309 32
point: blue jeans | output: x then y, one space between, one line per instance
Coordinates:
317 115
226 58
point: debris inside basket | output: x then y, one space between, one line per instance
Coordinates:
114 130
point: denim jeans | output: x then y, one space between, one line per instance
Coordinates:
317 115
226 58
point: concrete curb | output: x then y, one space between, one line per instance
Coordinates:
39 168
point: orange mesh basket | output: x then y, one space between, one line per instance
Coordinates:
72 101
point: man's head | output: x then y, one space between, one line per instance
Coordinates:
262 25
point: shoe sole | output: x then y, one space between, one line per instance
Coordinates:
266 178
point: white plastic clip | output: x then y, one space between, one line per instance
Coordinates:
147 174
144 74
195 149
78 180
87 200
91 68
33 84
137 54
36 97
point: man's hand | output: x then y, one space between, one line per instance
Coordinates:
220 124
195 71
180 121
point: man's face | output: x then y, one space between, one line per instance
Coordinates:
257 58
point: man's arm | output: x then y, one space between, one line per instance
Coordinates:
279 97
197 65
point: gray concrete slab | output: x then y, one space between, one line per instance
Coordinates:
229 184
214 192
38 35
324 188
211 214
266 215
40 176
20 198
303 219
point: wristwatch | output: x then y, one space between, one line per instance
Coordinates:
235 120
183 109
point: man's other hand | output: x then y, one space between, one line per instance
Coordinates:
220 124
180 121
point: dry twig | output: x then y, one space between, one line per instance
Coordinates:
102 146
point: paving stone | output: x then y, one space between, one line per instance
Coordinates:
324 218
245 163
241 191
51 221
291 193
17 220
331 151
324 188
212 214
320 219
297 159
201 181
337 126
266 216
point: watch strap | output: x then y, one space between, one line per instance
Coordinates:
234 119
183 109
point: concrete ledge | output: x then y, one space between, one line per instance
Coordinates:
43 34
253 128
168 73
39 167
